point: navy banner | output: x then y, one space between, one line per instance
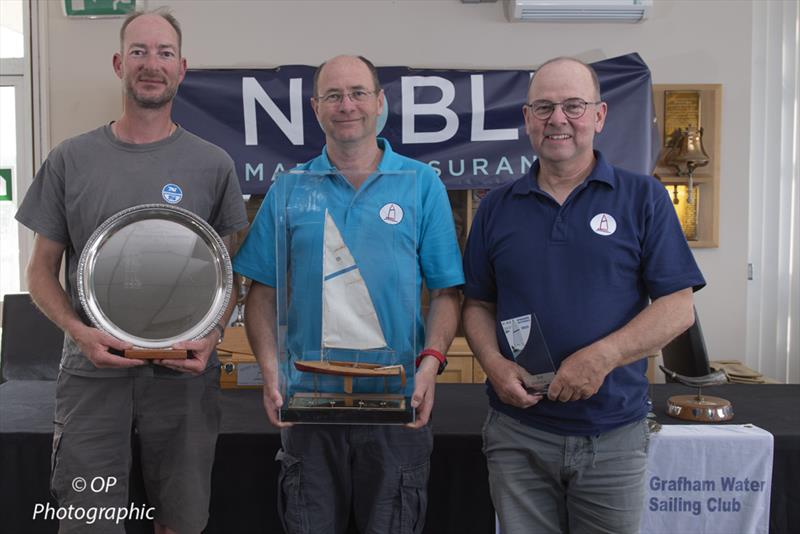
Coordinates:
467 124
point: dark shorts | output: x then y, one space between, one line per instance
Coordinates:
176 421
380 471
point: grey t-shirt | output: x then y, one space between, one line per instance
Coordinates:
88 178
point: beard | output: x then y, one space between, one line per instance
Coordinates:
151 101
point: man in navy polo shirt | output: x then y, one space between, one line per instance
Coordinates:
596 254
381 471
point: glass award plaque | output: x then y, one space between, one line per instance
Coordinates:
530 351
153 275
347 295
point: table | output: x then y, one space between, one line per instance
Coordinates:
243 496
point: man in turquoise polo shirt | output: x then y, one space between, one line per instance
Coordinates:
584 247
379 471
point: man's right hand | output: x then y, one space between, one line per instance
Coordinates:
95 345
507 380
272 404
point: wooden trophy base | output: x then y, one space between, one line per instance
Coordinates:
702 408
358 408
156 354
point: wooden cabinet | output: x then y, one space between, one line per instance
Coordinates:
462 367
678 105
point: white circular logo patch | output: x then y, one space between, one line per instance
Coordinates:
603 224
171 193
391 213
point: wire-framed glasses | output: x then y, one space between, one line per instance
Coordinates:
333 99
573 108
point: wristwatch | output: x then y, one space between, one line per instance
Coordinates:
436 354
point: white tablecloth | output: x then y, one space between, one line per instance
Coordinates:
709 479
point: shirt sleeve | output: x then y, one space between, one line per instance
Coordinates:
230 215
256 257
667 261
43 209
439 255
478 270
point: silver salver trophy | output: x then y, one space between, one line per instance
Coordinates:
154 275
347 295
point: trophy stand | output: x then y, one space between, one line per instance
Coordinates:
699 407
348 407
156 354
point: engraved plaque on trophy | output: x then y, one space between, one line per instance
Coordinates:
154 275
347 295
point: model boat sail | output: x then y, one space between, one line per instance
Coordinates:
349 320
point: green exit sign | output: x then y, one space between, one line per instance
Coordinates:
5 184
98 8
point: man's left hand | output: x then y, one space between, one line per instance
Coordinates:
424 388
582 373
200 352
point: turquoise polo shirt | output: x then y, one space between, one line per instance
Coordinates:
399 228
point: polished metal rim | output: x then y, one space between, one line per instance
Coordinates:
130 216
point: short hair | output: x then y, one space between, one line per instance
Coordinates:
372 70
559 59
162 12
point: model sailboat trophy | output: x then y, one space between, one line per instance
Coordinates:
347 297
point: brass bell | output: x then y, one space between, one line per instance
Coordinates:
687 153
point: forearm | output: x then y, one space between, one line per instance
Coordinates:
479 326
654 327
442 320
260 324
259 321
50 297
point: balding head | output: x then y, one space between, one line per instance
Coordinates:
162 12
352 60
563 59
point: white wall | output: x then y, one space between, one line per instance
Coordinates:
692 41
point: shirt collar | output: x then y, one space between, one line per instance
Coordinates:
389 160
602 172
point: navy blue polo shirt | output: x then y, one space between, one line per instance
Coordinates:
585 269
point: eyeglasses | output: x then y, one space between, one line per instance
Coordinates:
334 99
573 108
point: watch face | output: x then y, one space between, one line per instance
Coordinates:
154 275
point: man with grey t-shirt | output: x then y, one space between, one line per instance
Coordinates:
101 398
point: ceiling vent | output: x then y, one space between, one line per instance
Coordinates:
578 10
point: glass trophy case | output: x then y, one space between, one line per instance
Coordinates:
348 289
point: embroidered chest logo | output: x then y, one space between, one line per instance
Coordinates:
172 193
391 213
603 224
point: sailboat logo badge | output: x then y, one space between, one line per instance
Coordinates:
391 213
603 224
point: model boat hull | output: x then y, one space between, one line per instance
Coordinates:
354 369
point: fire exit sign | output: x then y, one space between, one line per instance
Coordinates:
5 184
98 8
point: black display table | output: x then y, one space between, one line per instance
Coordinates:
245 473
